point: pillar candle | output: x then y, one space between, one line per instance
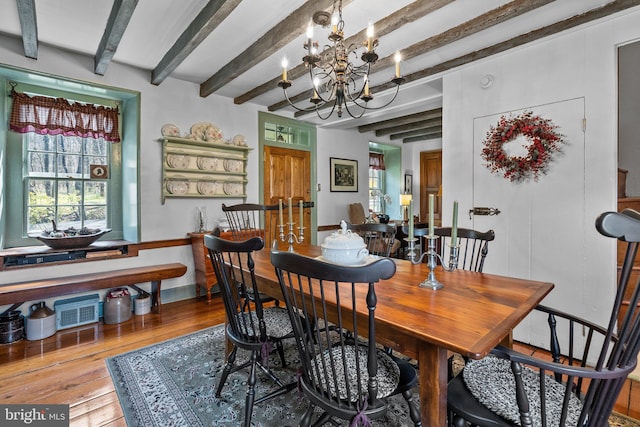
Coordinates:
454 226
430 214
290 212
301 213
280 211
411 219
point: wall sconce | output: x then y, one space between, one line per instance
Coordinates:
405 201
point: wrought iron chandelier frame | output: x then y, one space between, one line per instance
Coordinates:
336 80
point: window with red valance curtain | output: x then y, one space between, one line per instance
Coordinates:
58 116
376 161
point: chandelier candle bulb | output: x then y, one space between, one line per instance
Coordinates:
370 37
290 212
310 33
366 87
454 225
285 64
397 58
430 214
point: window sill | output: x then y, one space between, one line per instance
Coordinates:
36 256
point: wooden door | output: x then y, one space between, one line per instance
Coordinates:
287 173
430 183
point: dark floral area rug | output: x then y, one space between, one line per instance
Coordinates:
173 384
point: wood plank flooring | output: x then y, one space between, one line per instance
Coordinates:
69 367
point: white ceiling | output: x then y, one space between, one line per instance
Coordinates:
155 25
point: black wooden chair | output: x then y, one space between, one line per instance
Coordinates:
250 326
345 376
580 384
247 220
473 246
379 238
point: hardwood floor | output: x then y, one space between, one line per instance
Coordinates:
69 367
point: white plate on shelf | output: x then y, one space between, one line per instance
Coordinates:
367 260
177 186
207 163
206 188
170 130
178 161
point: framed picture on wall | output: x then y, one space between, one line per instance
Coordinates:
344 174
408 183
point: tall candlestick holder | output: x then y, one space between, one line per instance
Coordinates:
432 257
291 236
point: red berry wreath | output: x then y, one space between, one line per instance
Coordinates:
544 141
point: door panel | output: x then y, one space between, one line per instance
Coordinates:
287 173
540 225
430 183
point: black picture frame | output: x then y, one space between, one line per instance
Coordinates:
344 175
408 183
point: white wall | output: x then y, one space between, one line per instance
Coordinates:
333 206
578 63
173 101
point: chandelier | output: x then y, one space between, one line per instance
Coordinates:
337 82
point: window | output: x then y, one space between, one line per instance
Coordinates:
376 182
75 181
376 189
61 187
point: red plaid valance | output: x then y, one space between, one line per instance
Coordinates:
55 116
376 161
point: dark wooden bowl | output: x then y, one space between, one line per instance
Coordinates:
71 242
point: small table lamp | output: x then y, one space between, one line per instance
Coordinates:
405 200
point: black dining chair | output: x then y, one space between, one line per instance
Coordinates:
580 383
379 238
250 326
473 246
344 375
247 220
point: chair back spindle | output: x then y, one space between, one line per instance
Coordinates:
379 238
579 386
343 372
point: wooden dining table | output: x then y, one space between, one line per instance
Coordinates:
470 315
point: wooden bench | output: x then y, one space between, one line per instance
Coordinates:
17 293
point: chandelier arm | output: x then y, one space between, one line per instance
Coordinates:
303 110
366 107
346 107
328 115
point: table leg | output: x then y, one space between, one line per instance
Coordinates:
433 384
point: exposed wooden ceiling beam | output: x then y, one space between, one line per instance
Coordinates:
468 28
407 14
277 37
402 120
601 12
211 15
29 26
410 126
417 132
422 137
116 25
